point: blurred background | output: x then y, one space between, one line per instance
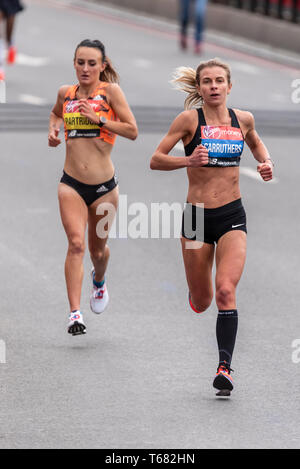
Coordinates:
142 376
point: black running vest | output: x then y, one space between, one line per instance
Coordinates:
225 143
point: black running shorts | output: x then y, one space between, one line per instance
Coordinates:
10 7
89 192
213 222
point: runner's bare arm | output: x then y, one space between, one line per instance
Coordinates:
56 118
257 147
180 128
126 126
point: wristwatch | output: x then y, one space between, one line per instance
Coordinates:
102 121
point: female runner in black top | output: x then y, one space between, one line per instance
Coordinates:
213 136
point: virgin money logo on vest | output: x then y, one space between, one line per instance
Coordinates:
212 132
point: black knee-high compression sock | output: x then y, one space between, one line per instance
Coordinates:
227 325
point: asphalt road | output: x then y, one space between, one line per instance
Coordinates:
141 377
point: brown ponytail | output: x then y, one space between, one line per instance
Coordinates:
109 74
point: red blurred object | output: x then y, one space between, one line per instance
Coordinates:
11 55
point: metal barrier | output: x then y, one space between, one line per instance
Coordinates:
287 10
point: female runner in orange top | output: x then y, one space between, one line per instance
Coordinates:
213 136
94 112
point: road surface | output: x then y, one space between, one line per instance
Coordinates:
142 376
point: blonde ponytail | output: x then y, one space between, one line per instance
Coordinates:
187 79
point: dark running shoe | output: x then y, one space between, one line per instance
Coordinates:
223 380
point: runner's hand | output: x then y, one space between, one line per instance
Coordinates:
86 110
266 171
53 140
199 157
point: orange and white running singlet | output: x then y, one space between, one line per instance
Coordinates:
78 126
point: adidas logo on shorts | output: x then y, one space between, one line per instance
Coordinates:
102 189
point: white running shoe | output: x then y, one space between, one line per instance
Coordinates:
76 325
99 297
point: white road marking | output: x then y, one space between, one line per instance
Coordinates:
142 63
29 99
253 174
279 98
38 211
179 147
23 59
244 67
2 92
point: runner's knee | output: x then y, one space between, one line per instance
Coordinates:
225 294
199 304
76 245
99 255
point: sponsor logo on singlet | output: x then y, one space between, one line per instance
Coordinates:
100 97
211 132
75 121
77 125
71 106
224 143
